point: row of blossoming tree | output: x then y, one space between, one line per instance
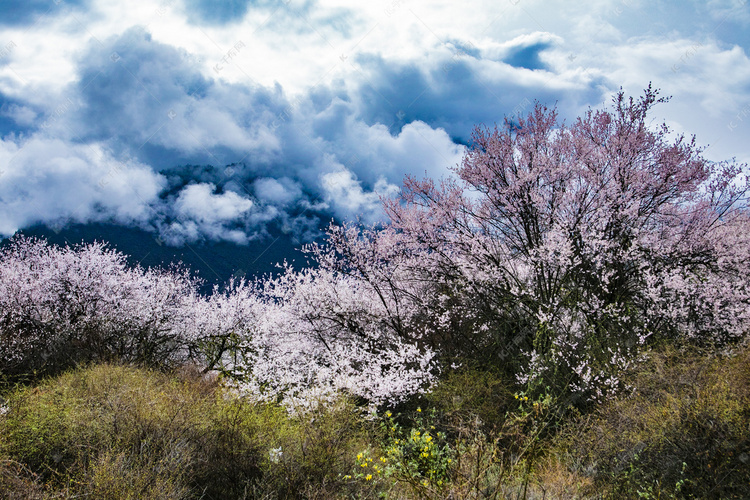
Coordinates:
555 252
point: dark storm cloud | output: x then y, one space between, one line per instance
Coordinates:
150 100
528 57
210 159
100 121
455 93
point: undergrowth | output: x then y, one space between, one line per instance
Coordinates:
120 432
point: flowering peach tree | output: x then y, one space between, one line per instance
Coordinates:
316 334
61 306
557 250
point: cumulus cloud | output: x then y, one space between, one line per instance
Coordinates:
199 202
280 192
55 182
345 195
455 90
149 99
201 211
525 51
21 115
265 158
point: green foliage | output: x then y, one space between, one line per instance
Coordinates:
471 393
685 432
419 455
113 431
311 451
119 432
109 428
453 453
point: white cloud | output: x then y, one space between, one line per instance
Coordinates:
202 213
708 83
281 192
22 115
199 202
49 180
345 195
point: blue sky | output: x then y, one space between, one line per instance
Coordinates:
205 120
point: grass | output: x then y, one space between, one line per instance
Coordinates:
684 432
120 432
112 431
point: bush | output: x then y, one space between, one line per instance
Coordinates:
685 432
419 456
107 427
112 431
474 393
18 483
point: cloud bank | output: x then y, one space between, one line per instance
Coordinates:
206 123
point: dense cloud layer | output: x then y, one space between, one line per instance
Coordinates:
200 158
205 122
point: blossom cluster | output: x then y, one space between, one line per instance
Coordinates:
558 251
60 306
302 338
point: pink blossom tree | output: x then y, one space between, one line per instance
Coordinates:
315 334
304 337
61 306
557 251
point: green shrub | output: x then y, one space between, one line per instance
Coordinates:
112 431
471 393
684 433
418 456
119 432
314 451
